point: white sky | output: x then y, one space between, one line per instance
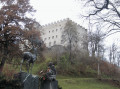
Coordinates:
53 10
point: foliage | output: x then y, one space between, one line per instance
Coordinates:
9 72
12 84
13 21
9 83
38 67
78 68
86 67
32 34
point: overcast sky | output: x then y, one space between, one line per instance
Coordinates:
53 10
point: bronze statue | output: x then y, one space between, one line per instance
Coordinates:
30 58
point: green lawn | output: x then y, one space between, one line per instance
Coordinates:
83 83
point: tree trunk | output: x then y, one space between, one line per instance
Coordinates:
98 68
2 64
4 58
70 53
93 52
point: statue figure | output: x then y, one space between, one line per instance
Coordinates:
51 72
30 58
48 80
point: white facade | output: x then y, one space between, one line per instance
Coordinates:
52 33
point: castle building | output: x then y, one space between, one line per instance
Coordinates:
52 34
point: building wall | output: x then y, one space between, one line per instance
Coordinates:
52 34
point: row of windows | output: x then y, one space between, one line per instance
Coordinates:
51 37
51 43
55 30
54 43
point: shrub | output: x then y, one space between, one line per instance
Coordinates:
8 72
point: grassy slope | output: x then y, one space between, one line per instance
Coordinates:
67 82
83 83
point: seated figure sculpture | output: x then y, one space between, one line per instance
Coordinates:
48 81
51 72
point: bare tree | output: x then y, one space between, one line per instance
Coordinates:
105 12
110 55
96 48
118 59
114 53
94 40
70 37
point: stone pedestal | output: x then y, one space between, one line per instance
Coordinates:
29 81
49 84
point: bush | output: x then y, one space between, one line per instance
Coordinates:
37 68
8 71
11 84
81 67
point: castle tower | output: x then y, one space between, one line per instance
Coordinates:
52 34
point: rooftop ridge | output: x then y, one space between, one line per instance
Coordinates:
59 21
53 23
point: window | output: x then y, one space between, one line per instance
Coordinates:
56 36
49 37
63 36
61 41
49 31
56 30
45 39
49 43
52 30
52 37
54 42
